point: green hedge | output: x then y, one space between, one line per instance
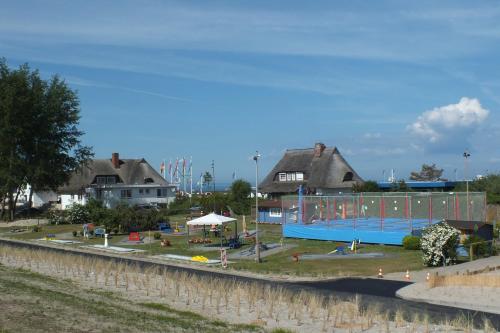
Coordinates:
411 243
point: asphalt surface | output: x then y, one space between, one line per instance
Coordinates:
369 291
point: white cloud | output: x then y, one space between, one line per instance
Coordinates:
442 123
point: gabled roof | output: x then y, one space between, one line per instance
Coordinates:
130 172
326 171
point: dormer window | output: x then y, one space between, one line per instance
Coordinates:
348 177
148 180
103 180
290 176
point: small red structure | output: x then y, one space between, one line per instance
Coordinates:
134 237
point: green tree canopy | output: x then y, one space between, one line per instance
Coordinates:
240 196
367 186
207 177
489 184
427 173
40 143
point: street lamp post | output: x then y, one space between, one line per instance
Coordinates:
213 181
257 244
466 156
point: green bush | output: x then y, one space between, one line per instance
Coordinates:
480 249
157 235
411 243
75 233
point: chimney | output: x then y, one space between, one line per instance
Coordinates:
318 149
115 159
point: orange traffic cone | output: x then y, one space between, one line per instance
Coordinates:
407 275
380 275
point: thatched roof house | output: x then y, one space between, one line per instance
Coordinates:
114 181
114 171
320 170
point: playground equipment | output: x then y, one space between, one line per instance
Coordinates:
164 227
380 218
99 232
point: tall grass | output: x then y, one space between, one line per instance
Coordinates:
227 299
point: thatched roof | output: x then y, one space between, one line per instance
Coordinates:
130 172
323 167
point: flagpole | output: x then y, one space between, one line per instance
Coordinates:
184 174
191 175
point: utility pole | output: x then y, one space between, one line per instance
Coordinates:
213 181
257 244
466 156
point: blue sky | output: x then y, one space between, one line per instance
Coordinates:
392 84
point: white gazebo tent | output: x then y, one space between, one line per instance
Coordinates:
213 219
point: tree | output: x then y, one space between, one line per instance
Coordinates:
427 173
489 184
240 196
207 177
367 186
39 137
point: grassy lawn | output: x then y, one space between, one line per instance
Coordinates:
396 259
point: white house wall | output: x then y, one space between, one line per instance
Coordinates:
111 197
44 197
69 199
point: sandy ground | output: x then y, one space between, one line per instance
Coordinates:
420 276
485 299
476 298
237 303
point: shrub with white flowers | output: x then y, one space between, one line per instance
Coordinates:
438 243
78 214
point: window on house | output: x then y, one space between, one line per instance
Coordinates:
299 176
288 177
110 180
275 212
148 180
141 191
126 194
147 191
282 177
161 192
100 180
348 176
